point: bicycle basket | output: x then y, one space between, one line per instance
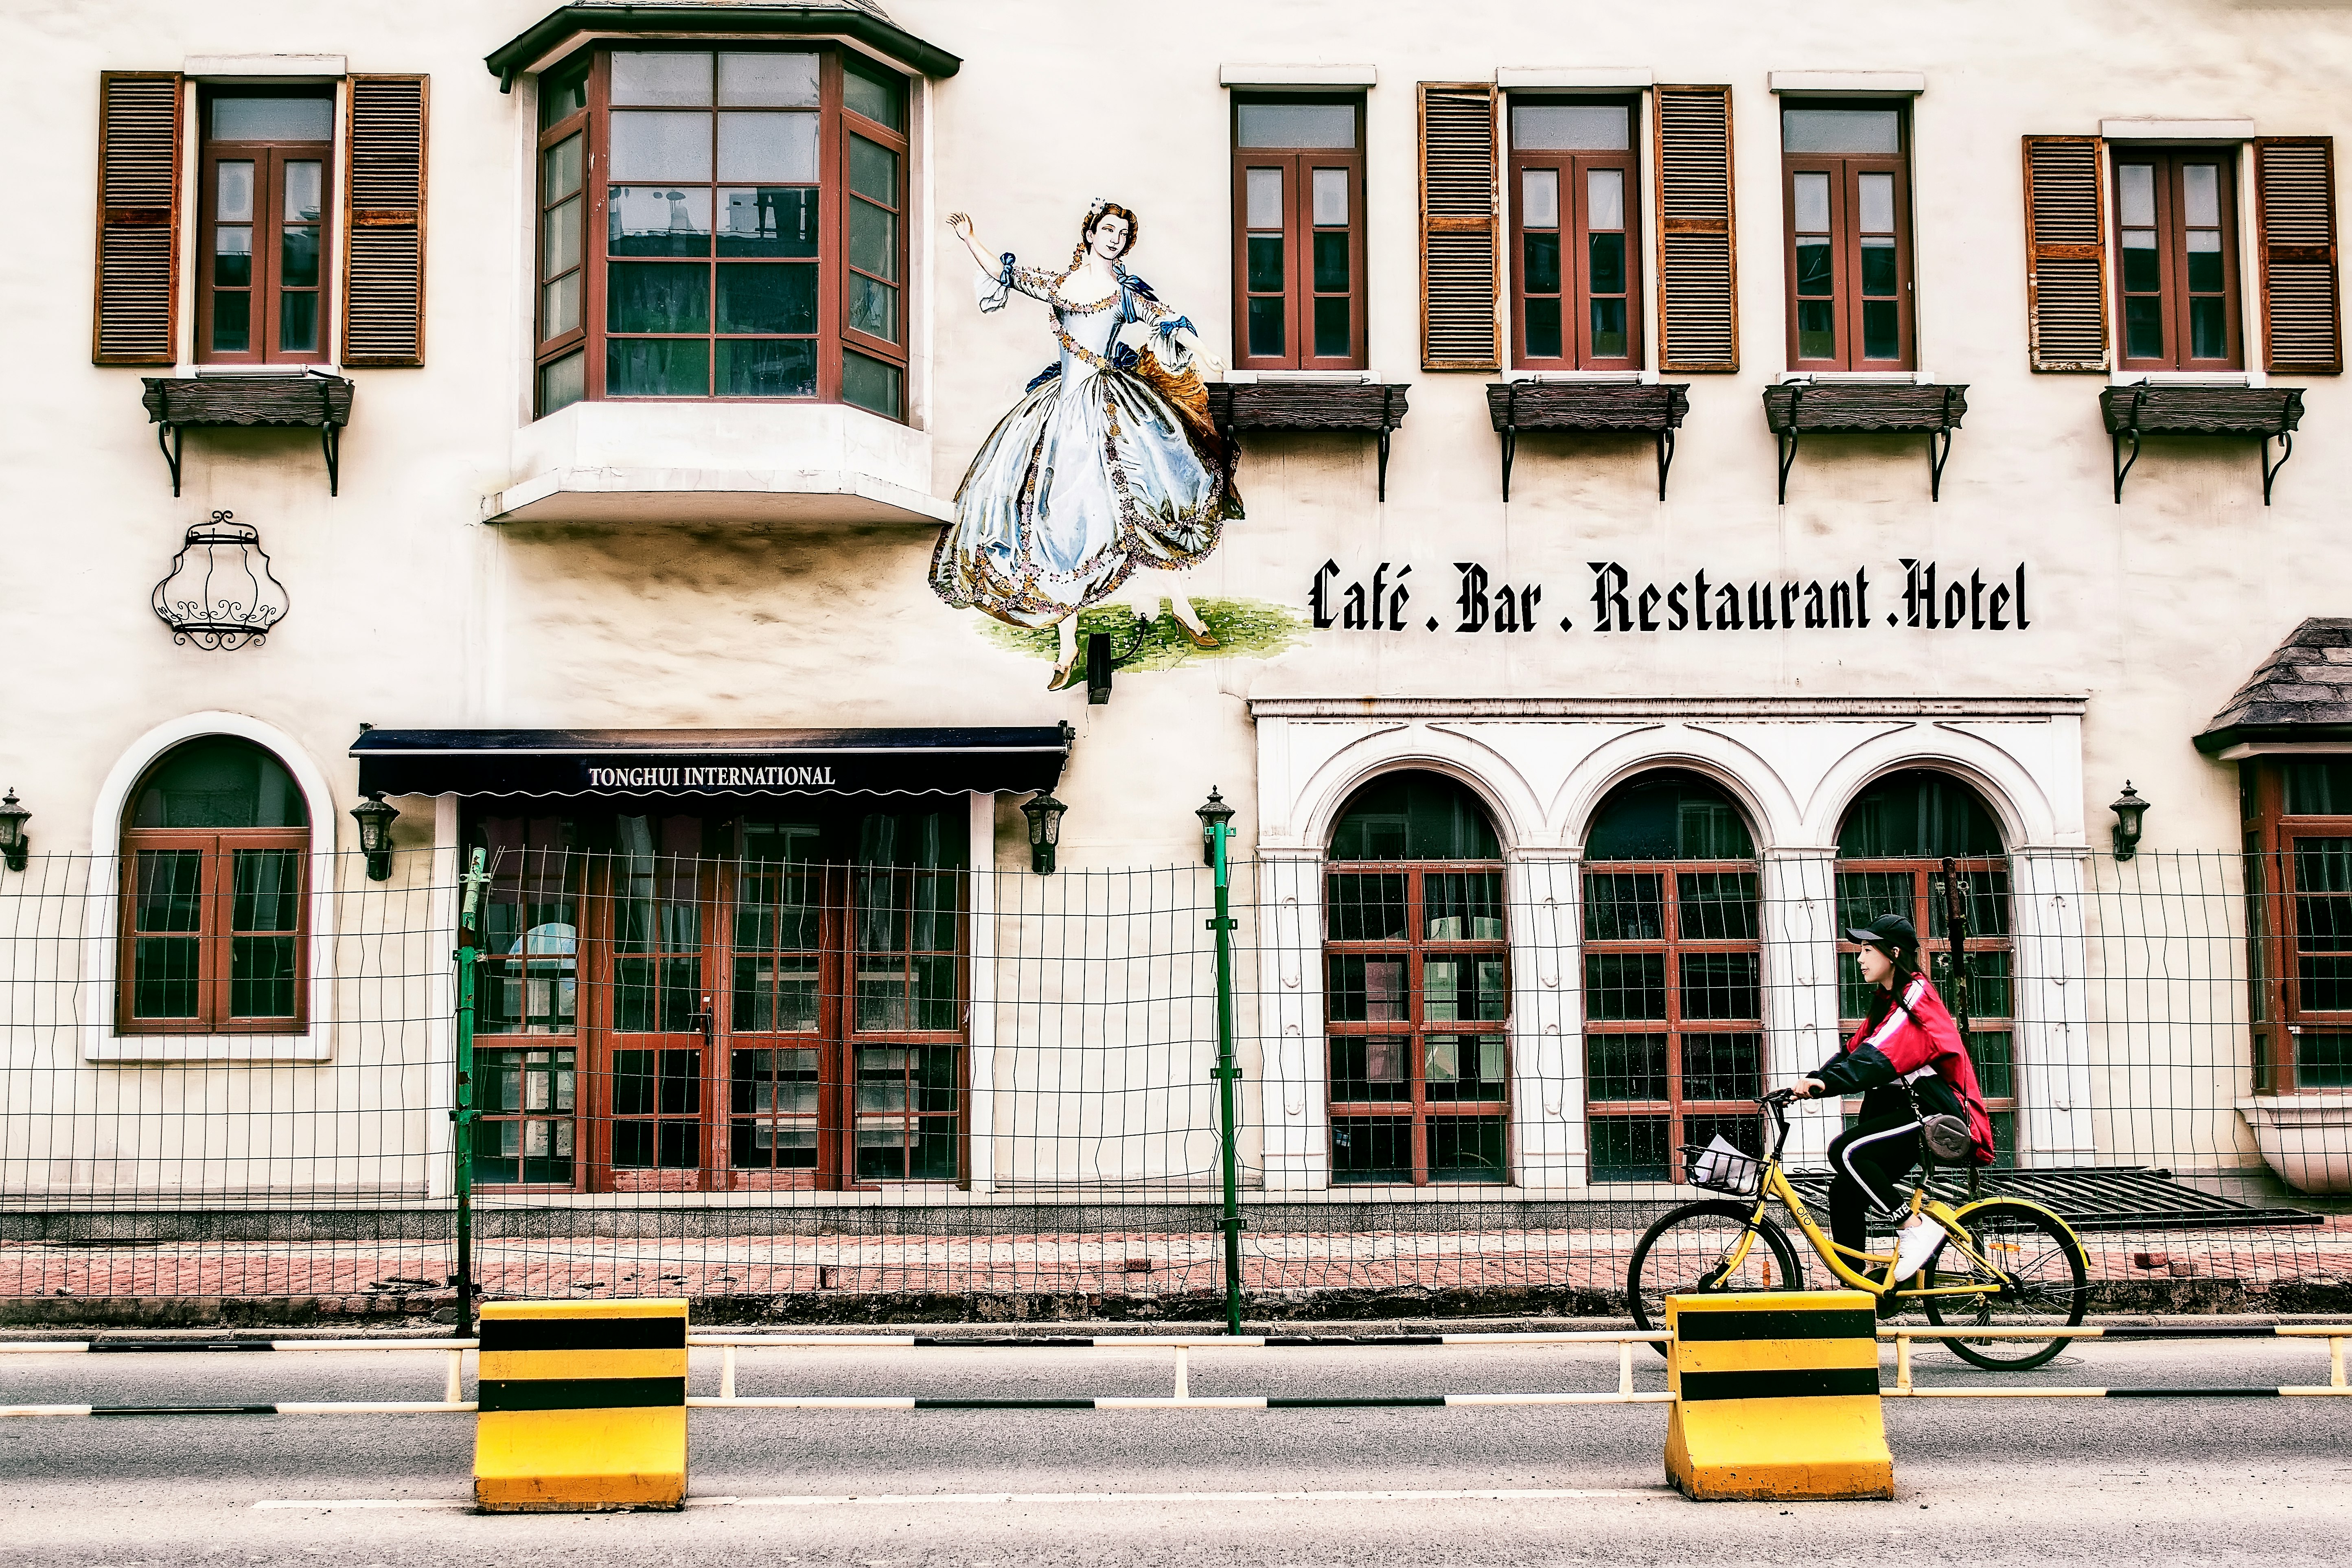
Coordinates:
1720 1168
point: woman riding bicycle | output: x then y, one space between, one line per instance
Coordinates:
1907 1048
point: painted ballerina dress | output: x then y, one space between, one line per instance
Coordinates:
1108 465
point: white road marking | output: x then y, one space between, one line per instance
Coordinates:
358 1502
985 1499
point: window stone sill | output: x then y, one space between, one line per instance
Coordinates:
718 463
310 1045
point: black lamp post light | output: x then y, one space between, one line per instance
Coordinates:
220 594
2129 808
1214 814
15 843
375 819
1045 815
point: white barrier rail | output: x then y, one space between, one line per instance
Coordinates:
2334 1333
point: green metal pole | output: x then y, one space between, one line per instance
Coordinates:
1228 1074
461 1109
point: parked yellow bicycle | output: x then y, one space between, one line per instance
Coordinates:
2005 1263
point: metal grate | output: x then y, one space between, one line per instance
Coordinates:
2096 1198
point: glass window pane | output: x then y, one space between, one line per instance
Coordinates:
1720 985
1571 127
656 367
2208 329
1605 263
560 306
1877 192
2143 328
1879 274
1841 131
1262 189
767 220
563 382
2136 195
1266 327
560 169
1630 1148
240 117
2142 270
1465 1148
1812 203
232 260
1326 124
562 94
873 170
1624 907
1609 329
232 322
1716 906
298 323
660 76
1881 330
657 220
1624 986
302 191
1816 272
1332 338
264 885
163 977
1331 270
661 146
1543 327
1266 264
261 977
656 297
1626 1066
777 298
1330 195
1364 908
874 241
234 194
2204 262
870 384
1539 198
873 308
1371 1148
768 80
780 147
1604 199
558 241
2200 194
867 89
1722 1067
1539 263
1816 331
297 258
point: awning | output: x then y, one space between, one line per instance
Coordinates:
635 763
2300 696
860 21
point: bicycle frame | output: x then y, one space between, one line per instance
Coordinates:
1775 1184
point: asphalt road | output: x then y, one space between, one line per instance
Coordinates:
1991 1482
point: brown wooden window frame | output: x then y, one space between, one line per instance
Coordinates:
217 849
267 290
1300 286
1574 291
2171 228
1845 171
1412 1030
835 338
2275 898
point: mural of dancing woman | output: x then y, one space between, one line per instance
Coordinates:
1108 465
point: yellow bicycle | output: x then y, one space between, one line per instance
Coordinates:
2005 1263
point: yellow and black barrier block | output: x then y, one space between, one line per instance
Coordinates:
1775 1397
582 1407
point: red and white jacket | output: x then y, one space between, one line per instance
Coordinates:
1916 1042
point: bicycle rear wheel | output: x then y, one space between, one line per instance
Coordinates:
2041 1281
1688 1252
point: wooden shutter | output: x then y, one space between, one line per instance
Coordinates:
138 277
2066 254
2294 197
1461 265
384 201
1698 297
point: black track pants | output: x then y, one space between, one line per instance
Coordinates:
1865 1162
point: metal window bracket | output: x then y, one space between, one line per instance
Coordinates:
1666 457
330 442
167 436
1939 451
2116 444
1510 436
1387 394
2270 469
1789 440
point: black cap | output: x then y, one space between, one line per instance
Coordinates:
1893 933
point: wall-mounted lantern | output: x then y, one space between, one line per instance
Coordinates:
219 593
2129 808
1045 815
1213 815
375 819
15 843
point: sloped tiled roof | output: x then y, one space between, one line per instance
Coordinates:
862 20
2303 691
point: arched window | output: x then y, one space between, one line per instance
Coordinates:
215 878
1414 987
1674 1005
1891 851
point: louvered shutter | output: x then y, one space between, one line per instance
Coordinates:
1461 265
2066 254
383 199
1698 299
138 279
2295 184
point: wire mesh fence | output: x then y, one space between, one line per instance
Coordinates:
797 1082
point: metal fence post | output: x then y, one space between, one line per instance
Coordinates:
1216 818
461 1108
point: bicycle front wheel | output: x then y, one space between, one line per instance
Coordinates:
2038 1279
1689 1252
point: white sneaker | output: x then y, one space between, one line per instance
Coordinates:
1914 1244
